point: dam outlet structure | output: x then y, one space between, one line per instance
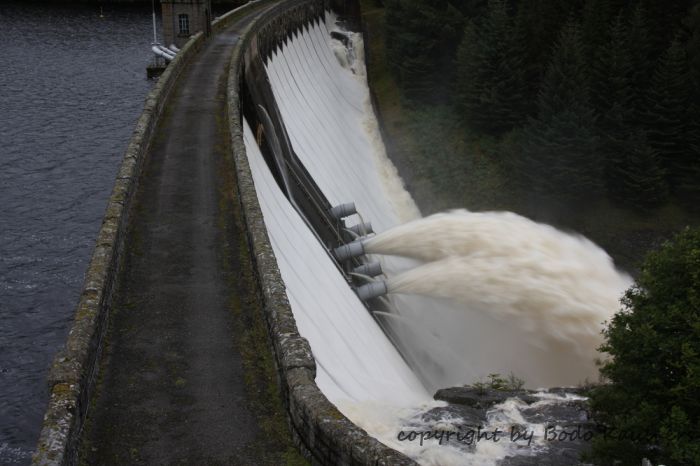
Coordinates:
546 330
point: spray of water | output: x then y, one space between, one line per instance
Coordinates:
553 289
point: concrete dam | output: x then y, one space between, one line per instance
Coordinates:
256 194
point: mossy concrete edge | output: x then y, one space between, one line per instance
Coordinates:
73 373
320 430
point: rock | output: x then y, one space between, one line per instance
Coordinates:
563 412
482 398
567 416
468 416
556 455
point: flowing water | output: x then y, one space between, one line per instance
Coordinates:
471 294
554 289
72 85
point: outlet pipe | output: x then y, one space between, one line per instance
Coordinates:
362 229
160 53
348 251
371 269
343 210
166 50
372 290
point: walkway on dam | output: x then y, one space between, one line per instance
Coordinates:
187 376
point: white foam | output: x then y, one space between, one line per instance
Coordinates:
552 291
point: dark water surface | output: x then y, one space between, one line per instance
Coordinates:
72 86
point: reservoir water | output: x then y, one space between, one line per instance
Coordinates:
72 85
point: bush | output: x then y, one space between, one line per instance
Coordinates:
653 399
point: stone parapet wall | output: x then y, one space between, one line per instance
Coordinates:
72 376
322 432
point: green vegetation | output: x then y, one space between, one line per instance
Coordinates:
653 399
555 154
498 382
581 114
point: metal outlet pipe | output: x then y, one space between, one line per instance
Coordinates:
343 210
362 229
348 251
372 290
371 269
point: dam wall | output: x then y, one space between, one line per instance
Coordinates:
321 431
73 373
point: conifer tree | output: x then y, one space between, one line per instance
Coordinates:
559 154
634 177
664 18
690 183
537 39
671 125
566 83
692 23
471 9
491 64
632 172
613 73
688 187
640 51
596 19
421 45
540 22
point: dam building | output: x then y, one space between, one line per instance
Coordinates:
183 18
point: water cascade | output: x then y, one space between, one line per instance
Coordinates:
555 288
469 294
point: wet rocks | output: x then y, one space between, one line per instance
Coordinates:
558 420
466 415
482 398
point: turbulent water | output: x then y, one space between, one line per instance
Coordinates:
72 85
553 289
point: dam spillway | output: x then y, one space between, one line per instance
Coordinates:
325 108
321 93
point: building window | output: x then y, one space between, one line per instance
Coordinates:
184 25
